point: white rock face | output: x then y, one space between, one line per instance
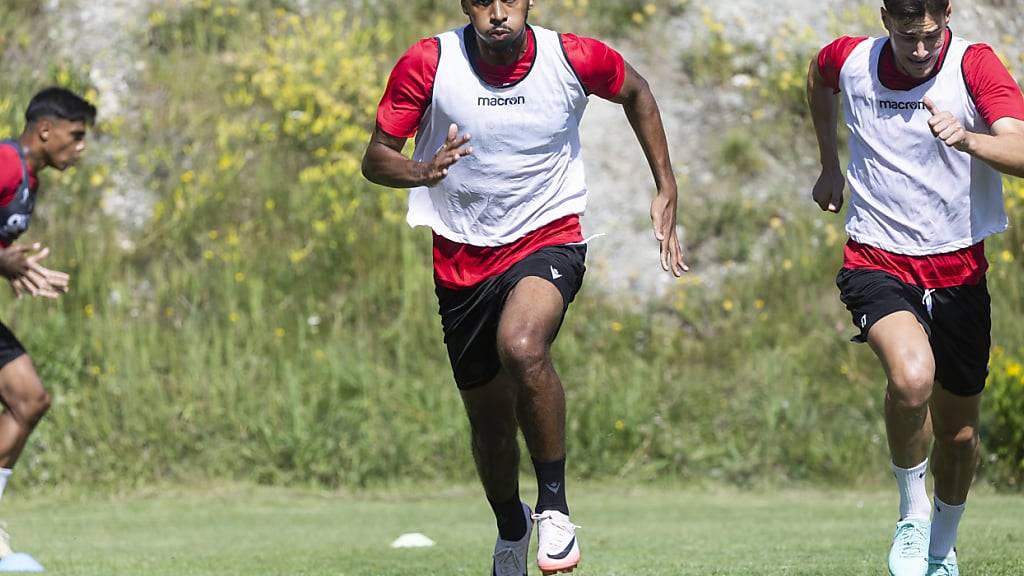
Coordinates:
106 36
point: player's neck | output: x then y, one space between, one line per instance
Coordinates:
507 57
33 155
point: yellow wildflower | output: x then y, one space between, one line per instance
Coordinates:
1013 369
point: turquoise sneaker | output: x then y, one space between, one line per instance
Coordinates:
943 566
909 553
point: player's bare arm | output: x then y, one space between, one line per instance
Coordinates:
828 190
1003 149
641 109
384 163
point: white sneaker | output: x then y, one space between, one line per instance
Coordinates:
510 557
557 547
5 542
909 553
943 566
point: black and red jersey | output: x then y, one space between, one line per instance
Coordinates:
18 185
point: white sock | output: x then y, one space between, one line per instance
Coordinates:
913 494
5 473
944 525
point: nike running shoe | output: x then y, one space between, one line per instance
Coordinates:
557 547
909 553
510 557
5 542
943 566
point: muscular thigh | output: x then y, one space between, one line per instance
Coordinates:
541 288
534 309
19 381
901 343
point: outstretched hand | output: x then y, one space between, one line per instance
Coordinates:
14 260
451 151
38 280
947 127
663 217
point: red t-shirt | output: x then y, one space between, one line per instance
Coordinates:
996 95
600 69
10 177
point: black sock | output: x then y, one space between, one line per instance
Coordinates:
551 486
510 517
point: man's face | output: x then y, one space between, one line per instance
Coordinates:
63 141
499 24
917 42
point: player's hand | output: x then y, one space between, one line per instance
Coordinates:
33 285
663 217
14 260
38 280
58 281
947 127
17 288
22 287
828 190
454 148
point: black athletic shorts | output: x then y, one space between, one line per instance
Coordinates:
958 321
470 316
10 347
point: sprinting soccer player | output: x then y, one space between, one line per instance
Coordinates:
508 250
933 121
56 123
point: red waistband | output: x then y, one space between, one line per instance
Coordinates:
458 266
966 266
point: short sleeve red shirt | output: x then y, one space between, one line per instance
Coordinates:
406 98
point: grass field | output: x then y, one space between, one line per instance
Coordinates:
636 531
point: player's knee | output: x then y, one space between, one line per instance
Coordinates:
911 386
32 408
962 443
522 352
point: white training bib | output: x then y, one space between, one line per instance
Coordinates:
912 194
525 170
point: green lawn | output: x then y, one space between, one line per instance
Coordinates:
644 531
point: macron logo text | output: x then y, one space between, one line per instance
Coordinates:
895 105
498 101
